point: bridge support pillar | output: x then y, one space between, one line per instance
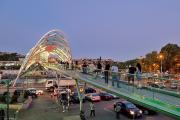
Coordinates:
79 95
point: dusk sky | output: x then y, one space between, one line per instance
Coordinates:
117 29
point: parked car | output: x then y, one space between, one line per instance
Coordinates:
75 98
157 85
89 90
30 93
34 90
174 85
128 108
113 96
105 96
93 97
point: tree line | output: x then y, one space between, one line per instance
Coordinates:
9 57
169 55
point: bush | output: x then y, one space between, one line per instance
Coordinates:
4 97
14 99
15 96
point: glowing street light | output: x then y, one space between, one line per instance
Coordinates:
161 58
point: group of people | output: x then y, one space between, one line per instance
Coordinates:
112 69
61 98
99 68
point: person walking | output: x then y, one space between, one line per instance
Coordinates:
84 67
92 108
114 73
106 72
138 74
99 68
118 110
64 100
132 71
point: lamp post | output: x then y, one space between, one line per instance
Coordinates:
161 58
68 95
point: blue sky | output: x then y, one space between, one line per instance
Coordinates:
117 29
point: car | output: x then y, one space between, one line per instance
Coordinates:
174 85
105 96
39 92
113 96
157 85
30 93
128 108
75 98
89 90
93 97
34 90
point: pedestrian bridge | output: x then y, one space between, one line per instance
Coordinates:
53 48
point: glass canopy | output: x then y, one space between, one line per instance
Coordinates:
53 47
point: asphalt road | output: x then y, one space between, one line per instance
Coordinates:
104 111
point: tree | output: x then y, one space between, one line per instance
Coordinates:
151 61
171 53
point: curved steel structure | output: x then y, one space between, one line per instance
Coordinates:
52 47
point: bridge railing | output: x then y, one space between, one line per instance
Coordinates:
169 81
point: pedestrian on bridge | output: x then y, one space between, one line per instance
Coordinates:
138 74
114 74
99 69
106 72
131 74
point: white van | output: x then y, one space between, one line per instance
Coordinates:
63 81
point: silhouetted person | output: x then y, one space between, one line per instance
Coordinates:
138 73
114 73
99 68
67 65
132 71
76 65
84 67
106 71
64 101
72 65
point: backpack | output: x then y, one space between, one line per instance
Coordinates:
118 108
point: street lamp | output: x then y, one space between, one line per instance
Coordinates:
161 58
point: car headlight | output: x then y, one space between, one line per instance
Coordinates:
140 111
132 112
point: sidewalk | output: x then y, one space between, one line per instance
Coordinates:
43 108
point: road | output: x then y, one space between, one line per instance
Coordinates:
44 108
